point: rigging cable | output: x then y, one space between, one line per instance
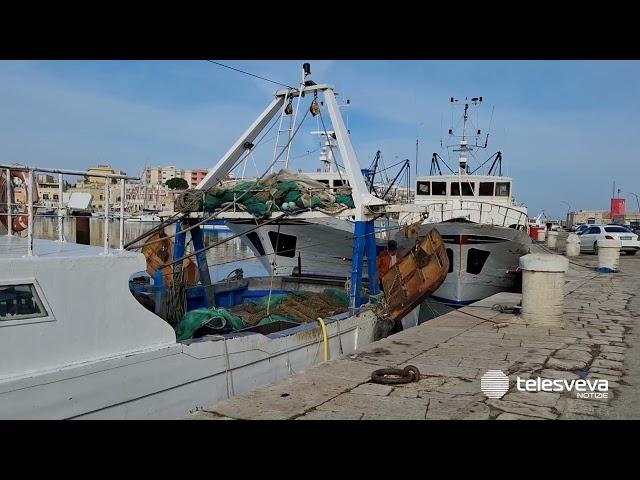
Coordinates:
250 74
224 209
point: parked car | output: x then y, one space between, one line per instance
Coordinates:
576 226
589 238
581 228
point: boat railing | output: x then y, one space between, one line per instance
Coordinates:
30 173
478 212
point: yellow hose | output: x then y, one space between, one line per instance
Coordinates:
326 339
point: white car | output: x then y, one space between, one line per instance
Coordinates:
589 238
581 228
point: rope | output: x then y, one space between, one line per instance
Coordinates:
189 200
250 74
325 338
273 270
335 160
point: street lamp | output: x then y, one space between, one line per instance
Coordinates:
636 195
568 211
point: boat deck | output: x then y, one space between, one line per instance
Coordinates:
453 351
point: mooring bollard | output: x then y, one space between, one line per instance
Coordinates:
552 238
608 255
543 288
573 245
541 235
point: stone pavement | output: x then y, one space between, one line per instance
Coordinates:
453 351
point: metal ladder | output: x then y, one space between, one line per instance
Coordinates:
285 129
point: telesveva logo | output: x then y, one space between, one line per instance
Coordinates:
494 384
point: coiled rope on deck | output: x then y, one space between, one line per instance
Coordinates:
189 201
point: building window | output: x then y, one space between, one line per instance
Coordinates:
476 260
55 196
20 302
283 244
503 189
486 189
438 188
45 196
424 188
467 189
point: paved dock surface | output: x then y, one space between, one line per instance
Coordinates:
599 340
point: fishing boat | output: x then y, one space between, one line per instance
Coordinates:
116 338
312 243
484 229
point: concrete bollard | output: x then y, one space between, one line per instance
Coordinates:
552 239
541 235
608 255
543 288
573 245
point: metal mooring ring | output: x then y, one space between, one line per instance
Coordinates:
392 376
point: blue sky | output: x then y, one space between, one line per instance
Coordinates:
567 129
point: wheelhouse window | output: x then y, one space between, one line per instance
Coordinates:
20 302
341 183
486 189
326 182
450 255
476 260
438 188
283 244
424 188
503 189
467 189
255 240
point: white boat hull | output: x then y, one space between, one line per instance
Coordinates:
171 381
472 277
324 245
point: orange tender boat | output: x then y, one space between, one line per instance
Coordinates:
422 270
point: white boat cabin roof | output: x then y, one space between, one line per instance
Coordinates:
16 247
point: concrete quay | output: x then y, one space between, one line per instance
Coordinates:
600 340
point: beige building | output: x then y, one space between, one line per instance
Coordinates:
160 175
96 187
149 197
588 216
48 190
601 216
